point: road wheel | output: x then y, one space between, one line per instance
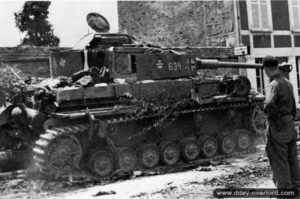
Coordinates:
101 163
149 155
170 152
244 139
227 143
208 146
189 149
126 159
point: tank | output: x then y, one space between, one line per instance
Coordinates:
133 106
147 122
150 107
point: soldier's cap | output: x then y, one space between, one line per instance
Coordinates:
285 67
270 61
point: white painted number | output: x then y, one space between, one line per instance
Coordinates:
175 66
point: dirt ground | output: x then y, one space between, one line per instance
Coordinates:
247 171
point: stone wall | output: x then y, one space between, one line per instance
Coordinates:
32 61
179 23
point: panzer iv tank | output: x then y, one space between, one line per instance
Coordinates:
184 116
98 129
151 108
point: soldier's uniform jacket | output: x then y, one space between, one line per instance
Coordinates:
280 108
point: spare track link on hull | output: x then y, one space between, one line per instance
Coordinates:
66 161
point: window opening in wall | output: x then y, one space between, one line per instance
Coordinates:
260 77
260 15
298 76
133 63
296 15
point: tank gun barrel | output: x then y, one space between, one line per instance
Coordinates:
214 64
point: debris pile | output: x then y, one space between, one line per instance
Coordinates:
244 176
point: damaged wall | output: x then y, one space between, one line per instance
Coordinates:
179 23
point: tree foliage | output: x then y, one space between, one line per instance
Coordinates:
33 21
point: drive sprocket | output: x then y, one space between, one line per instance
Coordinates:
59 150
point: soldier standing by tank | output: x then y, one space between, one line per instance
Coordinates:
281 146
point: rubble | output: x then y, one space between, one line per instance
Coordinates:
262 159
14 174
243 176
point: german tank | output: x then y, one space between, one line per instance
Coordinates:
148 106
135 106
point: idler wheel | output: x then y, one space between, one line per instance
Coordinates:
227 143
126 159
170 152
101 163
244 139
63 154
149 155
208 146
189 148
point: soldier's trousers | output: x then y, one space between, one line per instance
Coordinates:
284 162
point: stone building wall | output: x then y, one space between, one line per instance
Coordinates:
179 23
32 61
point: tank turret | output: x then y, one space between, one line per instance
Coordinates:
226 85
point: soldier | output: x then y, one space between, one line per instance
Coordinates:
281 146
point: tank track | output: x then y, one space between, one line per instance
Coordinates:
41 150
155 171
